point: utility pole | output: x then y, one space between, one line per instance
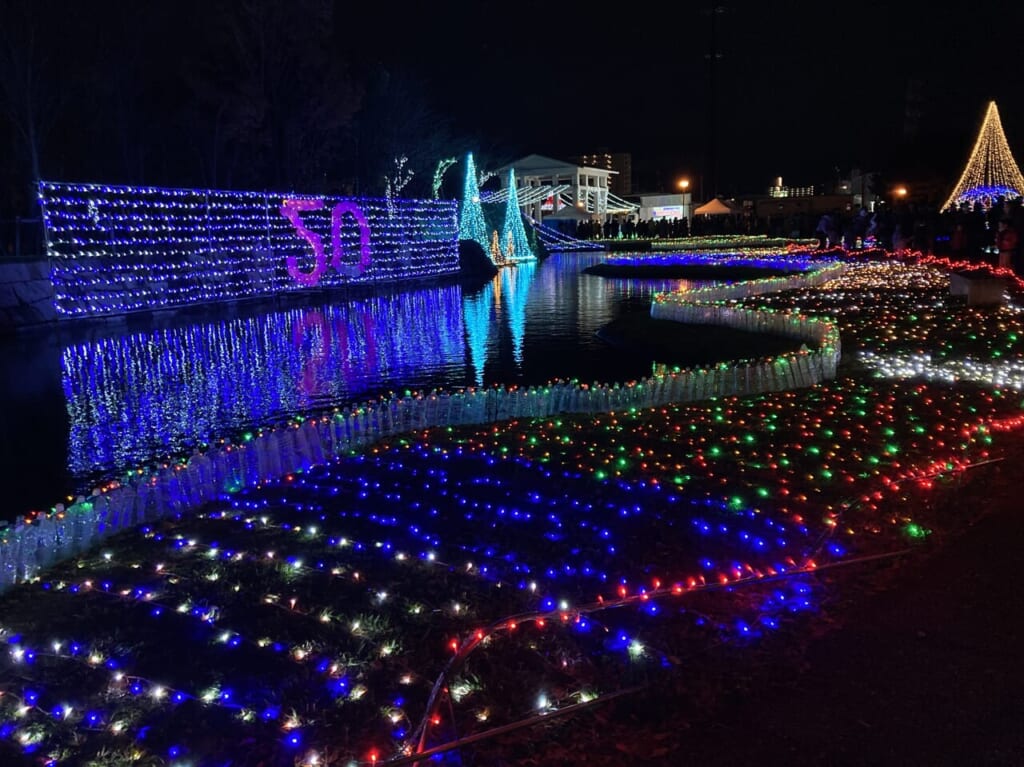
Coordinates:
712 56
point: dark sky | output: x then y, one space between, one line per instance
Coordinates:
801 87
803 90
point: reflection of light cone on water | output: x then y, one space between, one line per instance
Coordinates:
515 286
477 313
991 171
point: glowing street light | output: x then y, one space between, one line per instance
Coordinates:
684 184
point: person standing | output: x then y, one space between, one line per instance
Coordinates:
1007 240
958 240
822 230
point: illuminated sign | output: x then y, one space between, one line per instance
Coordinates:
667 211
290 209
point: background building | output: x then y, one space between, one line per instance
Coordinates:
620 164
548 188
655 207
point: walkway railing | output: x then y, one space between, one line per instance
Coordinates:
183 487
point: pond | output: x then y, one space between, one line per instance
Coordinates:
84 403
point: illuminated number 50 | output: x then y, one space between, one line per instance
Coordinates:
291 209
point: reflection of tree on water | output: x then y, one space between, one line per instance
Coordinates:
515 285
476 310
499 303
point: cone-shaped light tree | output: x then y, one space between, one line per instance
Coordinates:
513 243
991 171
472 225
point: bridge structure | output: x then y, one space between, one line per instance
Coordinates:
555 241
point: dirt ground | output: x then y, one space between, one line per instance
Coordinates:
919 662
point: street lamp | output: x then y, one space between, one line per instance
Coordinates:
684 187
900 193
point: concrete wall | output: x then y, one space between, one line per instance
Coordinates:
26 295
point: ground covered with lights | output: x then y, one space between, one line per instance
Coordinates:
587 589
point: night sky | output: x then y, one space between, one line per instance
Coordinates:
803 90
801 87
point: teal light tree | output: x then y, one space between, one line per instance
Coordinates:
472 225
514 245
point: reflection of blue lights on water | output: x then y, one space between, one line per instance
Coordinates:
134 399
137 397
504 298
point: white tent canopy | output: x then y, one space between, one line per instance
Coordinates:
715 207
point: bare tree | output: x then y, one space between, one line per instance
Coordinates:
30 79
398 121
276 97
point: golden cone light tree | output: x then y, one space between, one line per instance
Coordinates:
991 171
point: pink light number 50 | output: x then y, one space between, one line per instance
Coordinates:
291 209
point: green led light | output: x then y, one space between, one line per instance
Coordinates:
915 531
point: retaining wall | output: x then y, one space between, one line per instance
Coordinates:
26 294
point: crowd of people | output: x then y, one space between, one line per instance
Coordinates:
975 233
633 229
980 234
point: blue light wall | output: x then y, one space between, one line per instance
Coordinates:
121 249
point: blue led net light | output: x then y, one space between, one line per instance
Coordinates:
121 249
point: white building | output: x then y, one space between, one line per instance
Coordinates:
547 187
655 207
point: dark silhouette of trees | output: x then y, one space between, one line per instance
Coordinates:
253 94
397 121
275 100
32 92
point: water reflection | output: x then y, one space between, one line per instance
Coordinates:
515 288
147 394
478 312
132 397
